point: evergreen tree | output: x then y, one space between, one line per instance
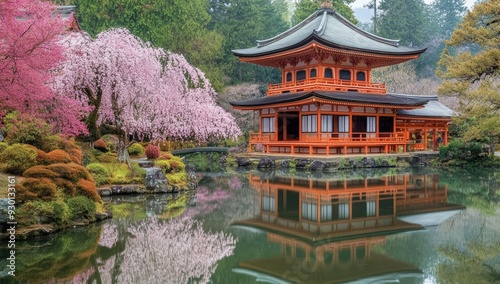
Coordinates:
474 77
306 7
243 22
404 20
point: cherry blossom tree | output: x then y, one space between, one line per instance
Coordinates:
141 90
30 33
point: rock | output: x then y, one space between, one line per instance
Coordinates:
285 164
156 180
317 166
104 191
146 164
384 163
266 163
301 164
243 162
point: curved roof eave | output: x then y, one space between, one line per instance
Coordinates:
350 97
331 30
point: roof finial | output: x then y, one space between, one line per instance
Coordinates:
326 4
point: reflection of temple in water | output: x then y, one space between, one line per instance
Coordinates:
327 228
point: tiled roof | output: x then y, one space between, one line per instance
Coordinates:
433 108
388 99
331 29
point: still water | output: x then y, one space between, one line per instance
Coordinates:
376 226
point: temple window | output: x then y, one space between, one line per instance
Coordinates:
386 124
344 123
326 123
310 123
312 74
288 76
310 211
267 124
301 75
360 76
328 73
345 74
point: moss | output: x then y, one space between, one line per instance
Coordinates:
164 165
178 179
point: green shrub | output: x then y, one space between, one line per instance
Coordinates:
26 129
152 152
164 165
99 173
107 158
177 165
18 158
137 172
3 146
461 151
111 142
81 207
136 149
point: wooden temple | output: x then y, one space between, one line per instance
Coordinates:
326 102
327 228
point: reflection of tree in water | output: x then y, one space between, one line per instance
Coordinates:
156 251
472 249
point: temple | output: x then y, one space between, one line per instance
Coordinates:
326 102
328 228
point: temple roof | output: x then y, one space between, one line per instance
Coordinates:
329 28
353 97
433 108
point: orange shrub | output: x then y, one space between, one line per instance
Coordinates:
101 145
74 151
22 194
58 156
72 171
40 172
88 189
66 186
43 188
41 157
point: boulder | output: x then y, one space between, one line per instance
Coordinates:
301 163
317 166
156 180
266 163
243 162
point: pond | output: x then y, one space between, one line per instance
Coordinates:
408 226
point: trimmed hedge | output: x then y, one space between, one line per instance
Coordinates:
152 152
136 149
18 158
38 188
98 172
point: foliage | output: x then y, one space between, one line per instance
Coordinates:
168 94
87 188
40 172
107 158
242 22
462 151
56 156
30 49
473 78
305 8
98 172
164 165
405 20
40 212
71 172
3 146
26 129
37 189
101 145
136 149
152 152
81 207
18 158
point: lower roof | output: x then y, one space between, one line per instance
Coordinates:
352 97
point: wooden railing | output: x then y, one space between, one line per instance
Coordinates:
326 85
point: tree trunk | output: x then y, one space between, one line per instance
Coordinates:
123 156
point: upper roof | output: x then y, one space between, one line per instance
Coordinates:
331 29
352 97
